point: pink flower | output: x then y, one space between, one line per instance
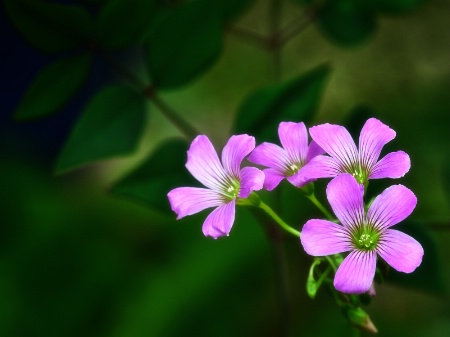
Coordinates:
285 163
225 182
363 164
363 235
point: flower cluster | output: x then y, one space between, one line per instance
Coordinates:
332 153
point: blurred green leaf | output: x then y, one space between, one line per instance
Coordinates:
53 86
184 43
230 10
295 100
347 22
123 23
161 172
198 279
446 175
428 276
111 125
397 6
50 27
357 118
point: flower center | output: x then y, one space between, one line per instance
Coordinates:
366 238
231 189
292 169
360 174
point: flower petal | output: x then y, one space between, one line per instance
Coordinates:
374 135
356 272
252 179
313 150
395 204
294 138
272 178
393 165
270 155
322 237
220 221
400 251
204 164
346 199
337 142
319 167
236 149
190 200
299 180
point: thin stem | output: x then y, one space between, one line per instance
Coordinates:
248 35
278 220
149 92
318 204
331 262
174 118
298 25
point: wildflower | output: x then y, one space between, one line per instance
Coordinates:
363 164
364 236
287 161
225 182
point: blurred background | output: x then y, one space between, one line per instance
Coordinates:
88 245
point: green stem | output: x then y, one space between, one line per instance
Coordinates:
174 118
278 220
149 92
319 205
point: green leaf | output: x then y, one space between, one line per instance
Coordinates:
184 43
427 277
123 23
295 100
50 27
397 6
53 86
347 22
111 125
230 10
161 172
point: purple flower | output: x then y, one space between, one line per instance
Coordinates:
224 182
363 164
364 236
286 162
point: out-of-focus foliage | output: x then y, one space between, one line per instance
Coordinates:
161 172
111 125
297 99
53 87
51 27
183 43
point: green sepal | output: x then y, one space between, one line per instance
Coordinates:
311 284
359 318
